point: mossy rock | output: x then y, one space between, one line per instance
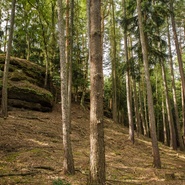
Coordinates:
32 72
25 85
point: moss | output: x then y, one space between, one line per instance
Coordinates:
30 69
36 150
17 75
12 157
25 84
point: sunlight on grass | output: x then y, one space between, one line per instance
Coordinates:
144 141
38 142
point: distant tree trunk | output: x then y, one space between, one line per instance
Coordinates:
6 32
156 155
128 82
183 112
28 47
164 122
53 38
146 114
68 157
137 116
179 58
113 62
46 58
179 134
69 51
4 108
173 141
0 23
97 148
145 131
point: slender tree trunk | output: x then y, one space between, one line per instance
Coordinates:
6 32
173 142
183 112
69 51
85 71
28 47
4 104
113 61
97 148
156 155
164 122
142 114
146 115
128 82
45 53
68 156
179 134
137 116
0 25
179 58
53 38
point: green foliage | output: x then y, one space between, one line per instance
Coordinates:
60 182
107 90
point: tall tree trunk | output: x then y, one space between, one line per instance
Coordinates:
145 131
6 33
69 50
146 114
113 61
137 116
97 148
164 122
4 104
179 134
68 156
183 112
53 38
156 155
85 71
1 25
128 82
179 57
173 141
46 58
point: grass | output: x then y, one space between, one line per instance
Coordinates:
60 182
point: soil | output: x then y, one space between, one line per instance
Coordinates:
31 152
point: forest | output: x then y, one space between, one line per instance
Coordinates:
110 73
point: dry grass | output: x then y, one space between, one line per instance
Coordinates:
31 152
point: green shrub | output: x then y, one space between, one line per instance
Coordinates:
60 182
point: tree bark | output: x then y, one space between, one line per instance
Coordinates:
179 58
113 62
128 82
4 110
68 156
136 105
69 50
155 148
164 123
97 148
145 131
179 134
173 141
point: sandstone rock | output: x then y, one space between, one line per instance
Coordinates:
26 85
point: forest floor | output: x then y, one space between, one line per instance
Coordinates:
31 152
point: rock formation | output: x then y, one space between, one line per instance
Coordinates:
26 85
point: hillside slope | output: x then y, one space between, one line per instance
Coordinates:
31 152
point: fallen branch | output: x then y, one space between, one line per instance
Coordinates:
29 117
44 168
18 174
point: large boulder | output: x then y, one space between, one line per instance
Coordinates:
26 85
